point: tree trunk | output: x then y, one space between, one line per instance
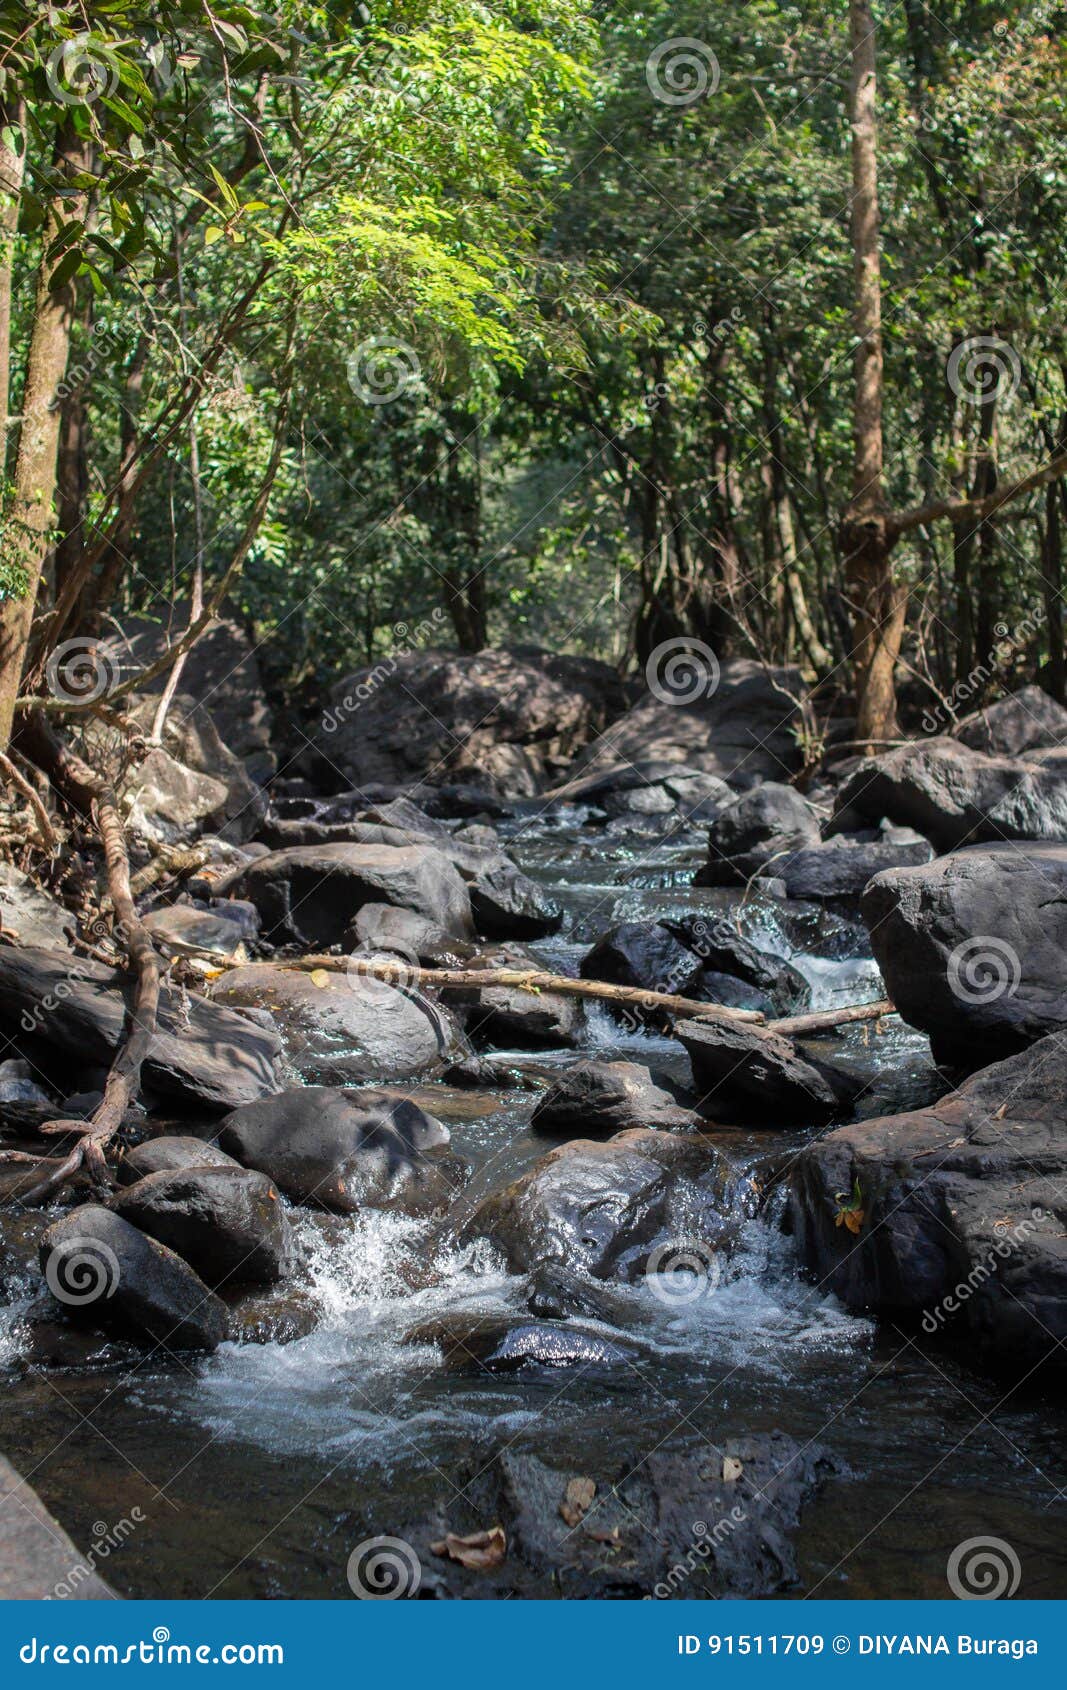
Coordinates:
12 164
878 605
34 481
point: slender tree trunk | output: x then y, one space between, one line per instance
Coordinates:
12 164
879 606
31 512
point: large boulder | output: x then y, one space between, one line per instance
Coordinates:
842 867
507 720
971 947
67 1014
192 741
311 893
957 796
738 726
766 823
227 1222
749 1074
955 1215
593 1098
602 1209
338 1028
103 1269
644 954
347 1150
1028 720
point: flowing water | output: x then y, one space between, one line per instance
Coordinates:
258 1469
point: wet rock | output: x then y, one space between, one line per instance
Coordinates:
507 904
971 947
957 796
502 720
723 951
227 1222
739 730
600 1208
171 1153
607 1097
18 1083
381 928
37 1558
841 869
347 1150
184 930
713 1536
644 954
97 1264
963 1213
62 1010
338 1028
476 1344
768 822
29 916
1027 720
311 893
749 1074
507 1015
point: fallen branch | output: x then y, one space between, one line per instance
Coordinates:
529 980
33 798
90 794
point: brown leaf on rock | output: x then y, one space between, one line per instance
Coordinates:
577 1500
479 1551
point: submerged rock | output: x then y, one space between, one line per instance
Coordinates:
105 1270
510 1345
959 1212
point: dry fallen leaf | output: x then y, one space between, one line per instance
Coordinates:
319 977
599 1535
479 1551
576 1502
732 1469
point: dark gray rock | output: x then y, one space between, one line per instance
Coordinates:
768 822
477 1344
606 1097
172 1153
723 951
338 1028
643 954
67 1013
751 1075
971 947
38 1561
507 1015
963 1213
311 893
956 796
841 869
1027 720
347 1150
184 930
105 1270
29 916
382 930
227 1222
